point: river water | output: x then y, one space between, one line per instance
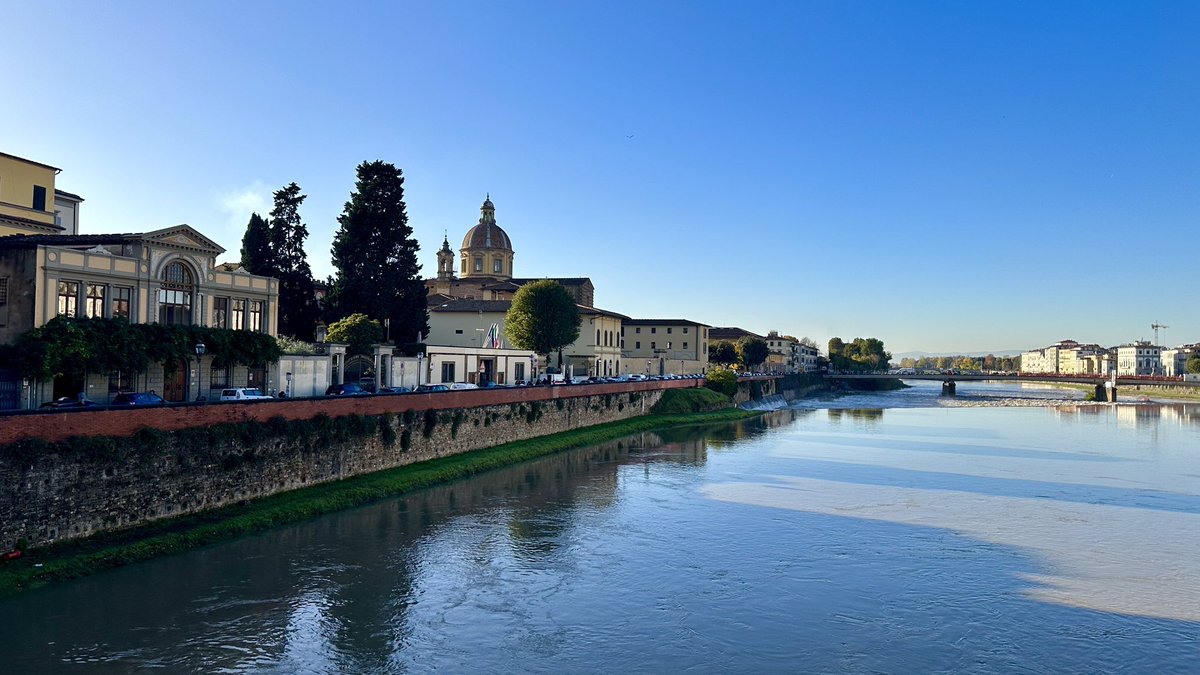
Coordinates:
881 533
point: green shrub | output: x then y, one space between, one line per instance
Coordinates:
722 381
676 401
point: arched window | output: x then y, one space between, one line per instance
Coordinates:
175 294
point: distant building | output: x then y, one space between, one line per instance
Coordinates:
1046 360
784 353
661 346
1174 360
1139 358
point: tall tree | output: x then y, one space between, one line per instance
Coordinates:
298 311
752 351
375 256
257 257
722 353
543 318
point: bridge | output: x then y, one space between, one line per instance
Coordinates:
950 379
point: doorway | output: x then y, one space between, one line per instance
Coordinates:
175 387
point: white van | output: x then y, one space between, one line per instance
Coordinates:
462 385
242 394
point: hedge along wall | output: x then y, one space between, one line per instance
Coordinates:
54 492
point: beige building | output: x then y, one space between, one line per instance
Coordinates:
662 346
1139 358
1174 360
480 323
166 276
784 353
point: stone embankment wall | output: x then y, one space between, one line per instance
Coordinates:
86 487
754 388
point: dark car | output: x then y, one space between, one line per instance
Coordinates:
345 390
68 402
395 390
138 398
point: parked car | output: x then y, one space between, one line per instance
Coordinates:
242 394
345 390
395 390
68 402
138 398
462 385
425 388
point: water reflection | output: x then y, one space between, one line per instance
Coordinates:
924 540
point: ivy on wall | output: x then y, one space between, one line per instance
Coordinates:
76 347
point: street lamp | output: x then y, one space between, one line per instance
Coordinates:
199 356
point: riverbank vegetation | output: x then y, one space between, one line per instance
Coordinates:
75 559
677 401
861 354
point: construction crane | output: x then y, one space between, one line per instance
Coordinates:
1155 327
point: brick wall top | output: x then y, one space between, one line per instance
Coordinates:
51 425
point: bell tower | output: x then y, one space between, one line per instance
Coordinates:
445 258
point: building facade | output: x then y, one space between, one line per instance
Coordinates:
1139 358
662 346
166 276
1174 360
29 202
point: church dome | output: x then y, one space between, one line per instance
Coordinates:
487 234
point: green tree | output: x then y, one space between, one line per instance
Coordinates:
1193 364
752 351
257 257
298 310
722 353
543 318
359 331
375 256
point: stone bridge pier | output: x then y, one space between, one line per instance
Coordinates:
949 387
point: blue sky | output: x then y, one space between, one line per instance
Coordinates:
945 176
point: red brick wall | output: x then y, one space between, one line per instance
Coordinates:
59 426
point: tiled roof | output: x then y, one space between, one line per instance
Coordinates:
471 306
663 322
730 333
31 240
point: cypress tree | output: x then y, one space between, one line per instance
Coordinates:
298 311
375 256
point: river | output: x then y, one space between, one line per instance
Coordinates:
871 533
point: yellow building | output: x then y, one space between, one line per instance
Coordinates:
29 202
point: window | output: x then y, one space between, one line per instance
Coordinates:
653 329
519 371
685 330
464 267
175 295
218 377
447 371
479 264
68 298
39 198
597 337
237 318
119 380
637 344
122 298
653 345
685 345
94 304
256 316
497 266
668 330
668 344
220 313
458 331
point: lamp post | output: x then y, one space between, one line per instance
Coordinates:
199 358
